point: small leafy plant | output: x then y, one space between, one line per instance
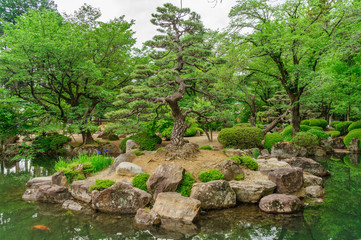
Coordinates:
101 185
210 175
206 148
246 161
140 181
239 177
186 185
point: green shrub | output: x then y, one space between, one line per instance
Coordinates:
137 153
146 141
239 177
101 185
140 181
317 128
201 131
246 161
305 139
210 175
191 131
287 131
334 134
271 138
305 122
113 137
52 143
351 135
318 133
342 127
243 138
318 123
243 125
206 148
334 123
354 125
255 153
186 185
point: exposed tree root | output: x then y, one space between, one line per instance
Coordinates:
186 151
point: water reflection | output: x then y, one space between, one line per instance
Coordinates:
42 166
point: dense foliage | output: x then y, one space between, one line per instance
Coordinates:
342 127
334 134
320 134
140 181
239 137
271 138
287 131
53 143
146 141
305 139
354 125
101 184
186 185
210 175
246 161
351 135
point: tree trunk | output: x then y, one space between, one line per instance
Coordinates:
253 106
348 113
179 128
295 116
275 122
87 137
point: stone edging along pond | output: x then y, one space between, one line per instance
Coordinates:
286 186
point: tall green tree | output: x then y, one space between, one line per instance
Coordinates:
67 66
292 36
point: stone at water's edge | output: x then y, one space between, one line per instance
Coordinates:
80 190
247 192
60 179
174 206
39 180
124 157
354 146
230 169
308 165
47 193
280 203
71 205
166 178
128 169
216 194
269 186
315 192
121 198
312 180
147 218
288 180
131 145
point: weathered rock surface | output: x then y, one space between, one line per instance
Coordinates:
315 192
267 165
121 198
48 193
132 145
124 157
230 169
264 152
166 178
214 195
280 203
247 192
354 146
312 180
269 186
71 205
60 179
288 180
147 218
39 180
319 152
128 169
308 165
80 190
284 149
174 206
338 143
233 152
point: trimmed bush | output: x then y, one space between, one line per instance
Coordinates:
354 125
334 123
140 181
342 127
318 123
146 141
317 128
334 134
186 185
351 135
271 138
287 131
246 161
206 148
305 139
137 153
318 133
305 122
101 185
243 138
200 130
210 175
51 143
243 125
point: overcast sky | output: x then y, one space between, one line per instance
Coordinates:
213 16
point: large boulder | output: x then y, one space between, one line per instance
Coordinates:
288 180
128 169
267 165
280 203
230 169
80 190
247 192
315 192
268 186
337 143
131 146
312 180
38 181
60 179
111 149
166 178
47 193
214 194
147 218
121 198
308 165
124 157
284 149
174 206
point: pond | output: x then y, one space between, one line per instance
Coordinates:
338 218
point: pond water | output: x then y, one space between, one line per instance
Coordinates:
338 218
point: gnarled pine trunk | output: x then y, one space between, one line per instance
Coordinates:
179 128
87 137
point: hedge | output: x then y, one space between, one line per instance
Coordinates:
318 123
243 138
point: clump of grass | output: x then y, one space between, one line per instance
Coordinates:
101 185
206 148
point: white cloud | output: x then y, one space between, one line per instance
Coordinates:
213 17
